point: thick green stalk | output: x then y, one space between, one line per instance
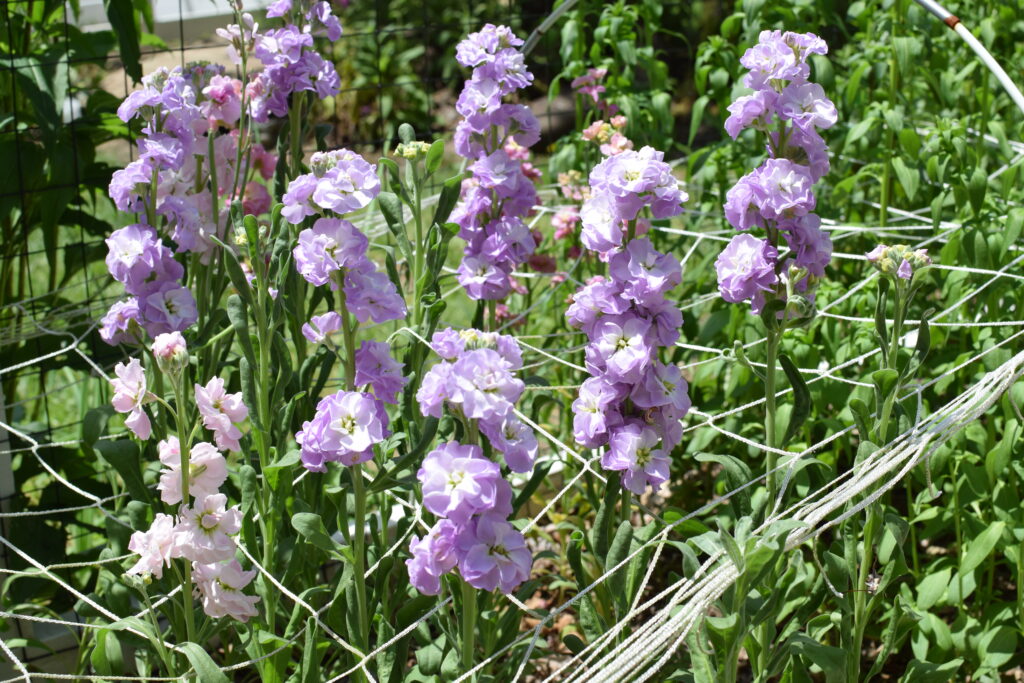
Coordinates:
296 135
860 595
359 548
890 360
765 631
184 446
468 626
358 489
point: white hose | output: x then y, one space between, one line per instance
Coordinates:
993 66
954 23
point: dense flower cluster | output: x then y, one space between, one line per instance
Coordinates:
197 155
493 136
202 531
475 380
633 402
777 196
620 187
334 250
461 486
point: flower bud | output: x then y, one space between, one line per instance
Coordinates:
171 352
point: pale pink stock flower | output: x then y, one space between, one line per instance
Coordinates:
206 529
155 546
207 471
220 587
221 411
129 395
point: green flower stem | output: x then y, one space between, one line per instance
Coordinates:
861 613
296 134
765 631
184 446
771 460
157 640
358 488
416 189
468 626
891 359
492 315
359 548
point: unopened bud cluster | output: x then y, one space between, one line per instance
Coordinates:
899 260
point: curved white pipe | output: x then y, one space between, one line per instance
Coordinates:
952 21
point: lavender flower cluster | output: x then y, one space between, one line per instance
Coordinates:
633 402
493 136
334 250
464 489
196 157
202 532
290 64
778 196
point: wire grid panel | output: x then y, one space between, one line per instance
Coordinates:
674 611
63 334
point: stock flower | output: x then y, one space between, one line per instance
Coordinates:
432 557
206 528
448 343
433 391
811 246
121 324
806 105
341 181
602 226
330 245
662 385
511 437
751 110
167 307
320 327
746 267
482 279
646 272
129 395
221 411
595 411
372 295
208 470
155 546
376 367
633 451
481 384
344 429
634 179
623 348
136 255
459 482
171 352
220 587
493 555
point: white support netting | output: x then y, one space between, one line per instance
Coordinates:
632 649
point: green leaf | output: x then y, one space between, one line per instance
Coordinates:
696 116
617 553
406 133
1014 223
932 587
205 668
121 15
391 208
801 398
123 455
886 381
732 548
927 672
981 547
435 155
311 527
831 660
997 647
861 416
977 185
450 191
908 177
